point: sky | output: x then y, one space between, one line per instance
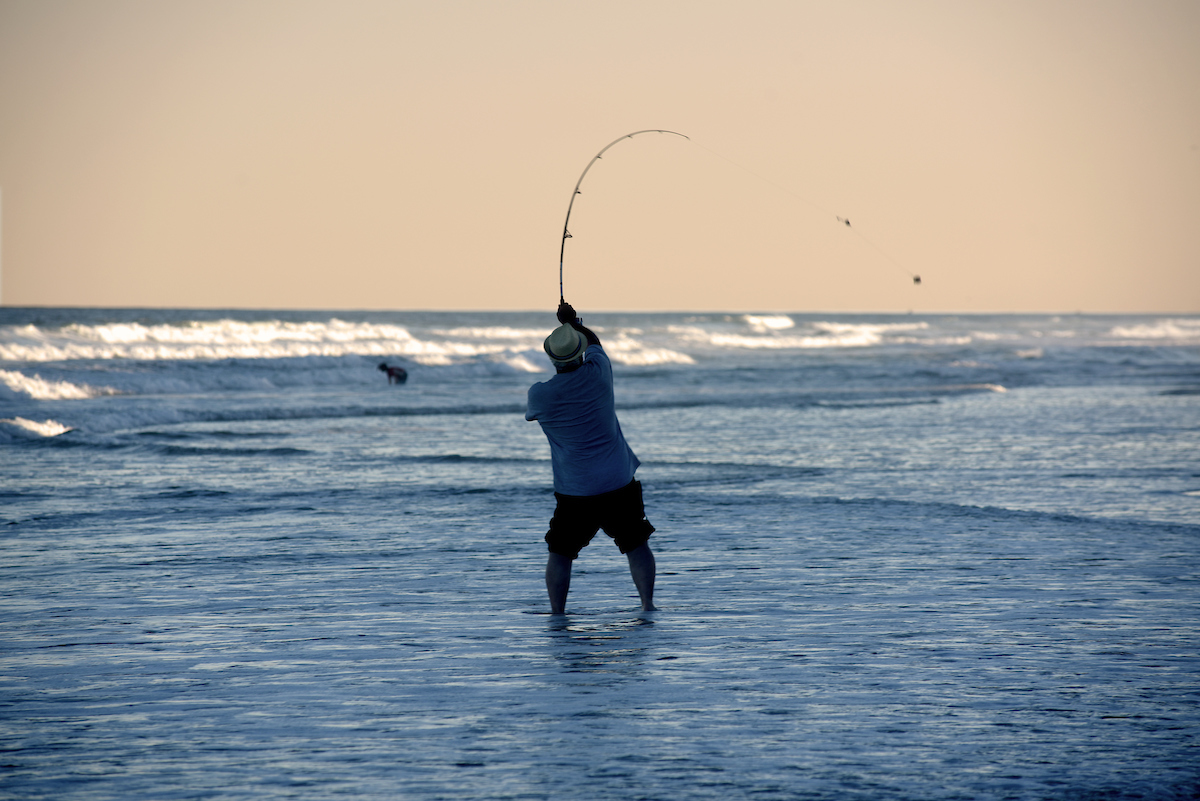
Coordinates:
1017 155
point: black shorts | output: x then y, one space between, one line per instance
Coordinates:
577 519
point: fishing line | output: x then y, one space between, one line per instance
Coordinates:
566 233
916 279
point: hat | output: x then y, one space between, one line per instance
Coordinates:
565 345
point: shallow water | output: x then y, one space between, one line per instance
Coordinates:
880 577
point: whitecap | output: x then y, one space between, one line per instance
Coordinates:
492 332
633 352
1161 330
39 388
208 340
644 357
825 335
47 428
767 323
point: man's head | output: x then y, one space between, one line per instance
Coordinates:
565 346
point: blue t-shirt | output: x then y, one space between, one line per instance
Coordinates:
578 415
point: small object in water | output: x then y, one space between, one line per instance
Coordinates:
396 375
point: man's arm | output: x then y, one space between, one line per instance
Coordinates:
567 316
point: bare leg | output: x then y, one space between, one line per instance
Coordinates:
558 582
642 568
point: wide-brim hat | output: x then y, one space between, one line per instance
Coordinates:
565 345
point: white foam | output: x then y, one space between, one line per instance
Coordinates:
502 348
625 349
1175 330
644 357
523 364
234 339
763 324
822 335
493 332
497 363
48 428
437 347
40 389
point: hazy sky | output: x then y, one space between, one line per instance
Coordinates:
1018 155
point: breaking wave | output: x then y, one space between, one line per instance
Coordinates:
1178 331
235 339
47 428
39 388
765 333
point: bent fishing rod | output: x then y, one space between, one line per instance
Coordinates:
566 233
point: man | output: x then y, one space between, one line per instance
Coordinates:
593 465
396 375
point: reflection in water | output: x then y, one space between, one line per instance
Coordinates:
614 646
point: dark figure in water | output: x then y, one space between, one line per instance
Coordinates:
593 466
396 375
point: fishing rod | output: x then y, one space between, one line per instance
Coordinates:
566 233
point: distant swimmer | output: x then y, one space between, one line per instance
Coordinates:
396 375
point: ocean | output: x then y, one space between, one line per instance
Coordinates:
900 557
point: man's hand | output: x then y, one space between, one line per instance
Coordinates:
567 316
566 313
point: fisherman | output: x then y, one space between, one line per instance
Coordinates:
593 465
396 375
